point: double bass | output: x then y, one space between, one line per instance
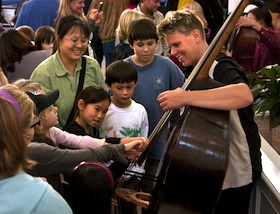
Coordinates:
193 166
242 47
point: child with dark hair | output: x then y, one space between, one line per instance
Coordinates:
91 188
44 38
125 117
155 74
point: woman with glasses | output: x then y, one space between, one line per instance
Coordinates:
20 192
62 70
93 17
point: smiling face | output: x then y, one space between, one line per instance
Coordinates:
77 6
91 114
184 47
73 45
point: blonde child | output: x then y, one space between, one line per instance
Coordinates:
20 192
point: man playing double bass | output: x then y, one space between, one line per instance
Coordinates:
184 34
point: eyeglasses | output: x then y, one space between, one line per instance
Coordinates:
75 41
36 122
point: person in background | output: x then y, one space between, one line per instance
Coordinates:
196 7
132 4
112 10
214 14
150 9
155 74
2 19
62 69
28 31
267 48
20 192
3 78
276 25
44 38
123 49
184 34
182 3
17 10
37 13
18 56
168 5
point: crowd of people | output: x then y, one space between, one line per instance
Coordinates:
71 128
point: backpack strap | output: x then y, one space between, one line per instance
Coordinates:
80 87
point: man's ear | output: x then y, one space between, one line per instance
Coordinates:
81 104
196 35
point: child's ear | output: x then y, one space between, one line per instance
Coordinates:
56 37
81 104
39 127
108 87
196 35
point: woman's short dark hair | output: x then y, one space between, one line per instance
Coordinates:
262 14
68 23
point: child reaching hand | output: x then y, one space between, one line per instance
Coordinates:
47 113
52 161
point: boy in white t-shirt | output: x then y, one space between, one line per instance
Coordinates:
125 117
